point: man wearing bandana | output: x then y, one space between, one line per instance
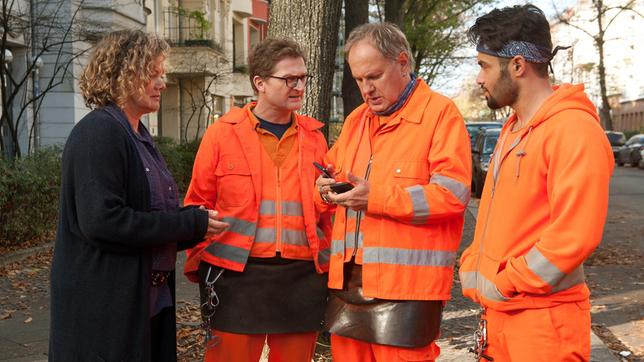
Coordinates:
395 236
544 203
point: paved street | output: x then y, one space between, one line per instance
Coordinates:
614 273
616 270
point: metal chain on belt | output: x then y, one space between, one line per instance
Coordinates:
480 341
209 307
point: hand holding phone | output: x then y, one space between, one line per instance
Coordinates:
338 187
341 187
325 172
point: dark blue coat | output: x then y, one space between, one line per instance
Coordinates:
101 266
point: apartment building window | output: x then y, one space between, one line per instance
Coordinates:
217 109
239 61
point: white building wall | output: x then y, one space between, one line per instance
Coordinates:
64 106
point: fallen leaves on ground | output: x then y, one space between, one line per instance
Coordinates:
613 343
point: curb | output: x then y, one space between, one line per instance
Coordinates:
24 253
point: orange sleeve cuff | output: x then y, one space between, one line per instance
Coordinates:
376 202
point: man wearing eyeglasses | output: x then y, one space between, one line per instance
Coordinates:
263 279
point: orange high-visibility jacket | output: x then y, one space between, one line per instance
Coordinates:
230 176
543 213
419 186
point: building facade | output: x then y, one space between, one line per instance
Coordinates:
623 56
207 69
48 44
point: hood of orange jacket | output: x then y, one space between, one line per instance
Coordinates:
543 207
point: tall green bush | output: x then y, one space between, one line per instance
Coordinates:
29 189
179 158
30 186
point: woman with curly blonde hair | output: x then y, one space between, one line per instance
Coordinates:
120 224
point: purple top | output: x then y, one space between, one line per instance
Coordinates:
163 197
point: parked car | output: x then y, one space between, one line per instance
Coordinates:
630 152
473 128
484 144
641 163
617 140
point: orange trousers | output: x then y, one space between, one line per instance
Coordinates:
287 347
352 350
559 333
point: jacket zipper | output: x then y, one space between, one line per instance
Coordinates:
278 212
359 213
489 208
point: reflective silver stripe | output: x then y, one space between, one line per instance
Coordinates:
265 235
474 280
292 208
350 239
337 246
541 266
267 207
351 214
397 256
468 279
294 237
319 233
489 289
289 208
419 203
228 252
457 188
241 227
291 237
323 256
570 280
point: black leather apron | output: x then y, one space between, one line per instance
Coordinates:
389 322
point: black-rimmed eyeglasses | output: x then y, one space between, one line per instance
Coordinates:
291 82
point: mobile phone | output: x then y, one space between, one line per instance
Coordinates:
323 169
341 187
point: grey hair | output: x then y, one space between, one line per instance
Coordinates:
386 37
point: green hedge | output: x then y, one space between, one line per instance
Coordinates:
29 190
180 158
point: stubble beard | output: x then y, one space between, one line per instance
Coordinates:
505 93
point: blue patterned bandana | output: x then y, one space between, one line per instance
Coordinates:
531 52
402 99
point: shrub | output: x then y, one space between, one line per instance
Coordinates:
30 186
29 191
179 158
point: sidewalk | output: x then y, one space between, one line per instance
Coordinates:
24 309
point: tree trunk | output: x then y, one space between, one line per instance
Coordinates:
356 12
604 111
394 12
314 25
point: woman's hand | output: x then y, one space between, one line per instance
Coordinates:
215 225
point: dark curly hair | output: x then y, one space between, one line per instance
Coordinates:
519 23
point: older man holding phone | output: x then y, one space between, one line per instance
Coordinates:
406 154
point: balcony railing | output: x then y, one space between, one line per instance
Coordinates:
188 28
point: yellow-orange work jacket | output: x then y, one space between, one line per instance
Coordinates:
543 208
269 208
419 180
